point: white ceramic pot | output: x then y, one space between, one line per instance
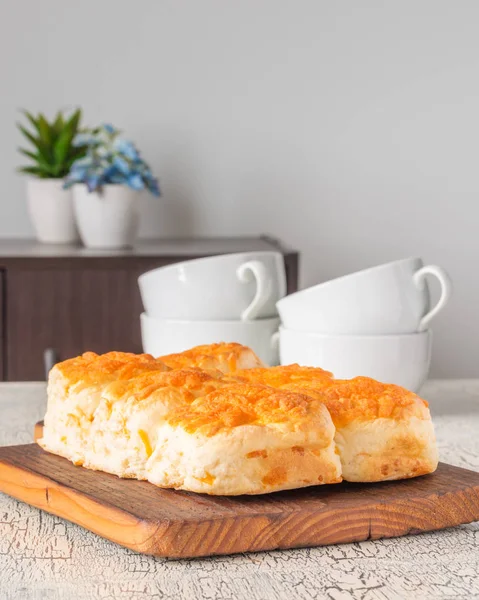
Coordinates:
109 219
167 336
388 299
244 286
51 211
400 359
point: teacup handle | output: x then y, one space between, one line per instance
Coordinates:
446 289
256 269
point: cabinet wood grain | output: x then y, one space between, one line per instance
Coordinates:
59 301
69 311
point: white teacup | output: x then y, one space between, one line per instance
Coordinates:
230 286
167 336
388 299
400 359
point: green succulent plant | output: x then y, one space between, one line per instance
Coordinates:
53 152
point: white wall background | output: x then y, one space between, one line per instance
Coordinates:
349 129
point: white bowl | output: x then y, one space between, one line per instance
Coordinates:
167 336
230 286
385 300
400 359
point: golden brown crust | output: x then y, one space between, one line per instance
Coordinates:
289 374
247 404
224 357
349 400
364 399
91 368
194 382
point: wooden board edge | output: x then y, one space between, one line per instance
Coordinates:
170 539
246 533
46 494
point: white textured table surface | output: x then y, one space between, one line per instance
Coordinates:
44 557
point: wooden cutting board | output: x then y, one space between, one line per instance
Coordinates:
178 524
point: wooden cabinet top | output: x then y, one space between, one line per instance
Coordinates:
12 250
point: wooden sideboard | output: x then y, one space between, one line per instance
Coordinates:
58 301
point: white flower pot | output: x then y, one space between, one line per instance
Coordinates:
51 211
109 219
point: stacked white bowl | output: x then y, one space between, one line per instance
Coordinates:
373 323
225 298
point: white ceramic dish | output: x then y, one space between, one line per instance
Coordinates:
167 336
400 359
384 300
230 286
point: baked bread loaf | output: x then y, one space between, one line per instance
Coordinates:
124 427
186 428
383 431
76 387
201 421
245 439
75 390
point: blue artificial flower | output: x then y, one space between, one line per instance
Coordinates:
110 159
151 183
117 178
126 148
109 172
135 181
103 152
121 164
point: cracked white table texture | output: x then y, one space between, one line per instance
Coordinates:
44 557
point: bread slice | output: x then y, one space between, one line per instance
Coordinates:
383 431
226 358
245 439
